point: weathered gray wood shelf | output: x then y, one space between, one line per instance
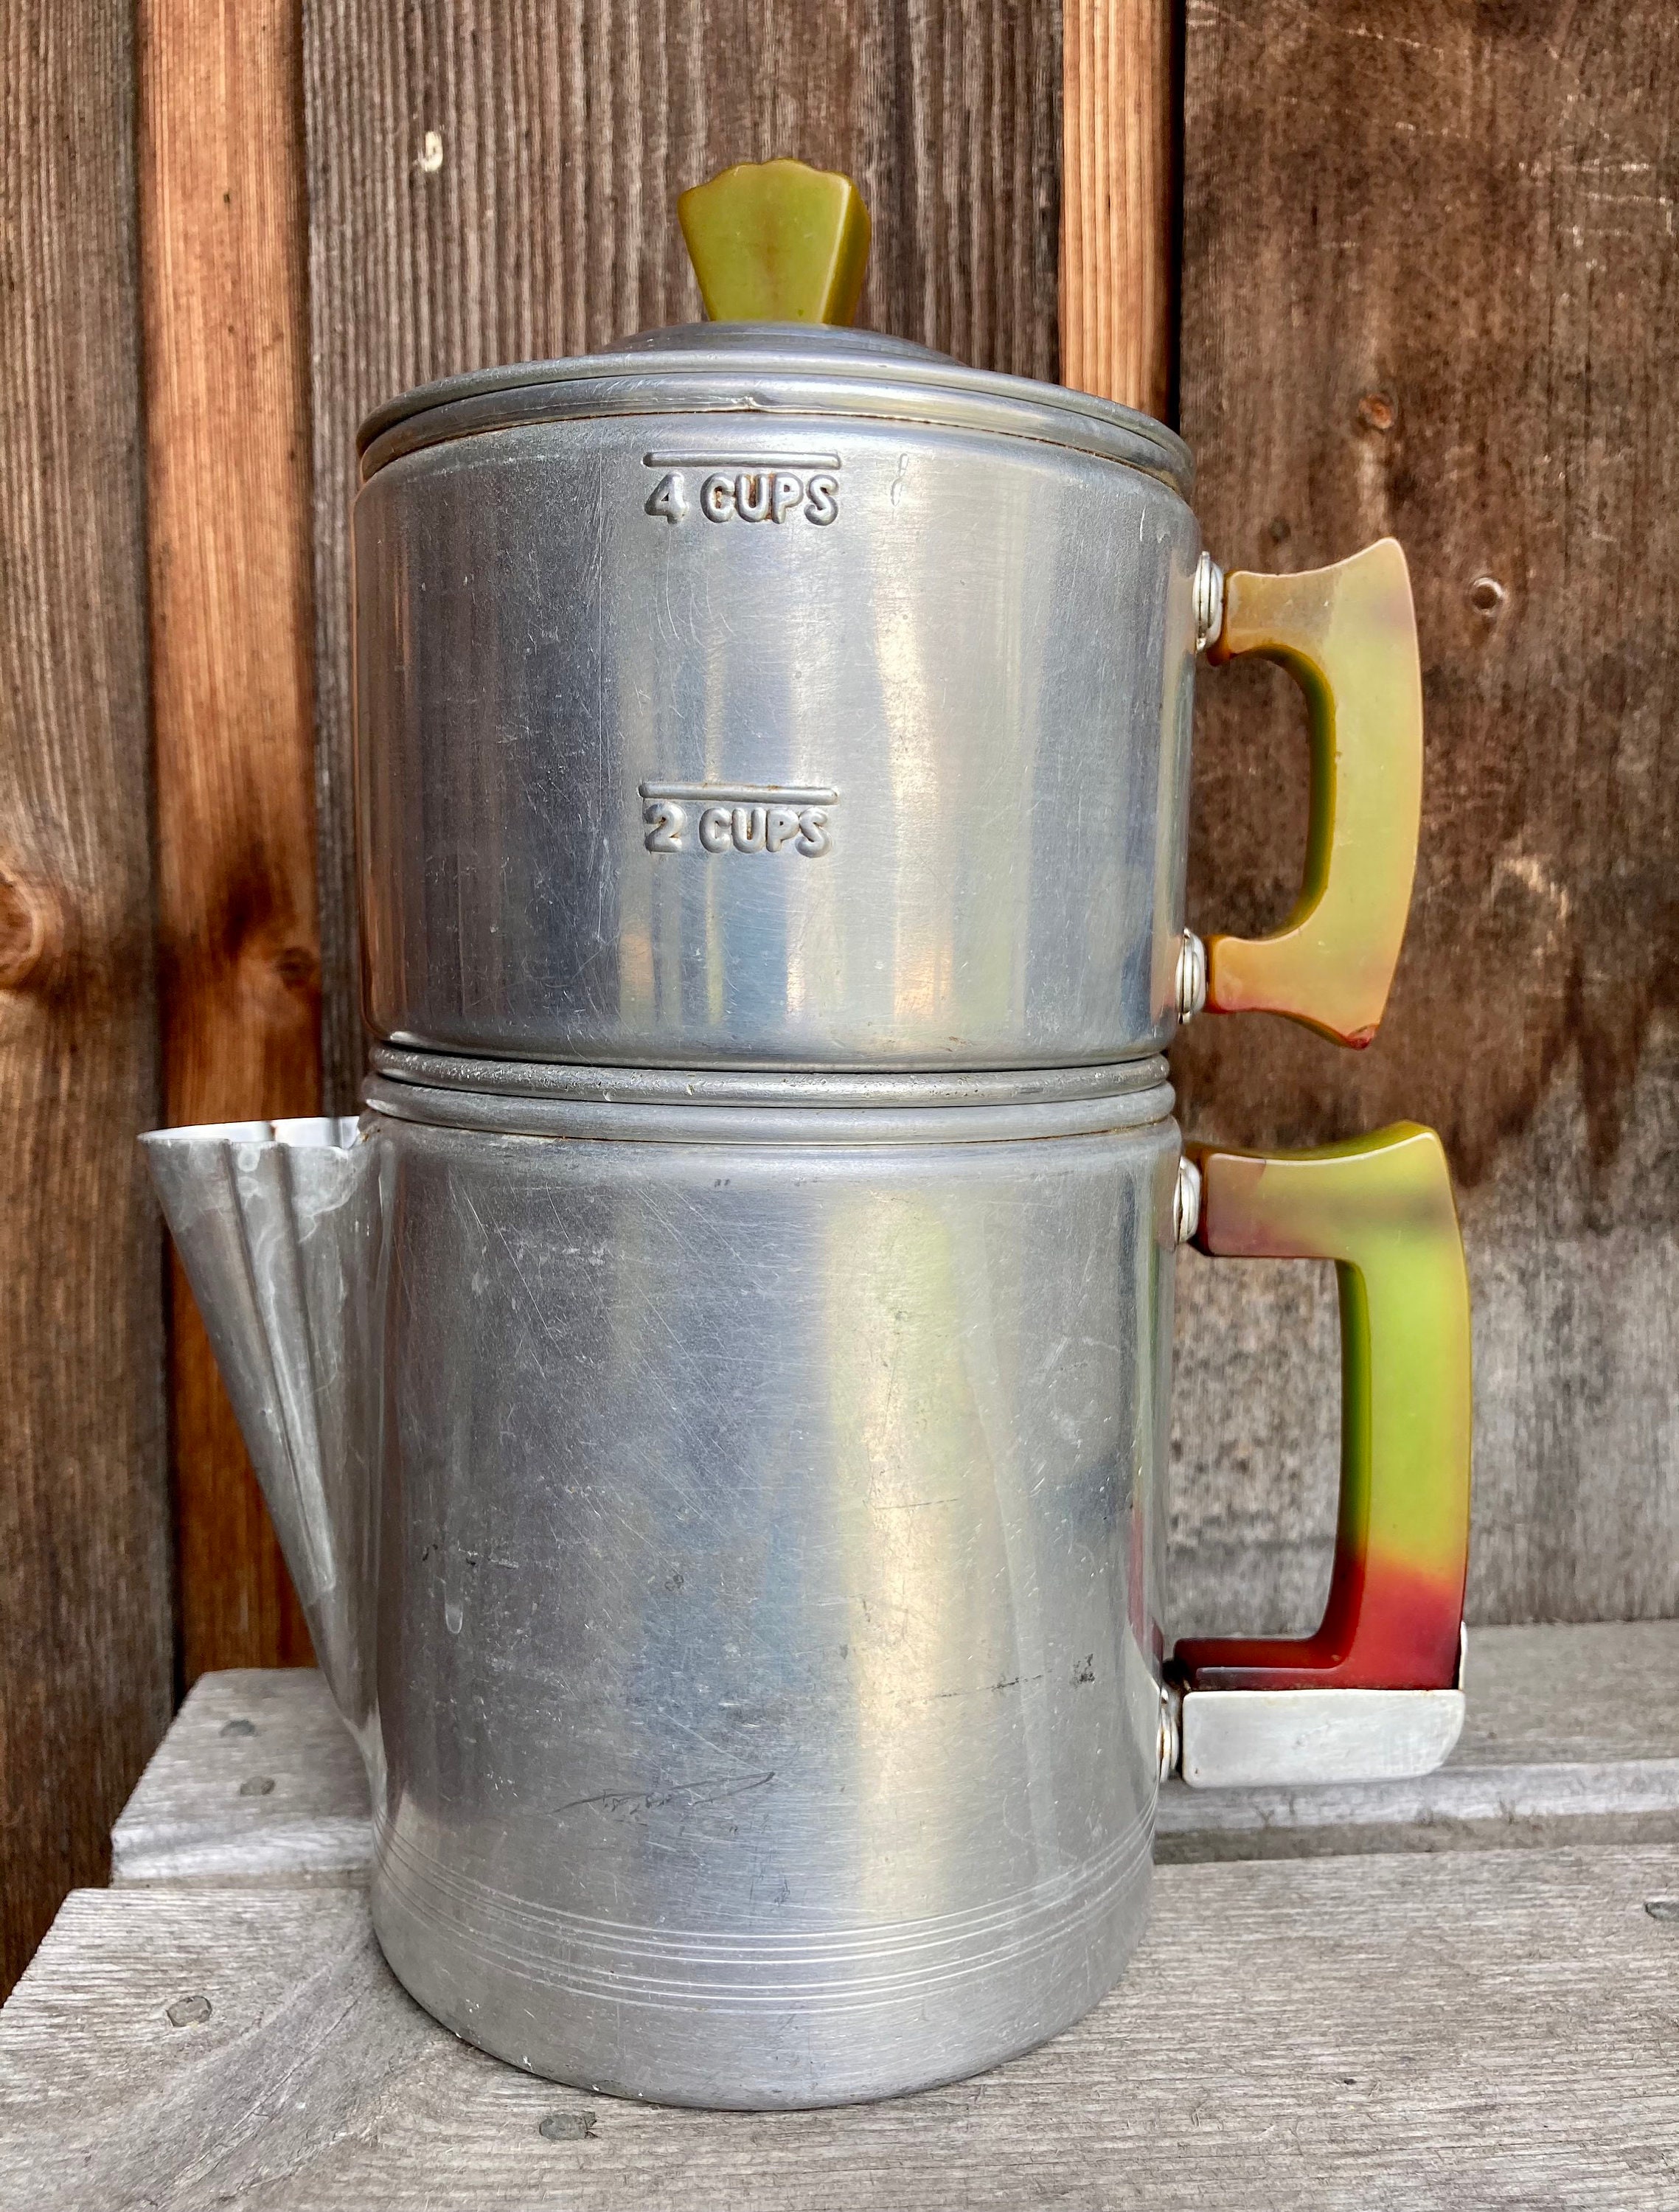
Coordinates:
1460 1993
1573 1735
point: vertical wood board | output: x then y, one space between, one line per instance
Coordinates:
223 262
84 1552
1430 286
495 183
1119 201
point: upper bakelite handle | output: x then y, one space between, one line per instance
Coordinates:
1348 636
777 242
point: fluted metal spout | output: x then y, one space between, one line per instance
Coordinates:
278 1228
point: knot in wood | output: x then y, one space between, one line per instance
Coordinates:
32 932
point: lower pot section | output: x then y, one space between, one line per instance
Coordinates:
768 1577
759 2022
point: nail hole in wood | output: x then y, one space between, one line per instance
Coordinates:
1487 595
568 2127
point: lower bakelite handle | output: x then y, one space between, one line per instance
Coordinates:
1380 1207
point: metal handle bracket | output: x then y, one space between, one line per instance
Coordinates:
1249 1739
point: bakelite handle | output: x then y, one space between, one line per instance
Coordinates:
1381 1208
777 242
1348 634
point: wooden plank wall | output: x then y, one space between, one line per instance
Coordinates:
85 1628
1430 285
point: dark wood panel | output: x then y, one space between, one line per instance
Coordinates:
1430 286
489 183
85 1669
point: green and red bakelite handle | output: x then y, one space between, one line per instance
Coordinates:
1379 1207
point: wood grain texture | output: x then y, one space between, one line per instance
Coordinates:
1119 200
1572 1737
224 241
1429 287
489 183
1409 2032
257 1780
84 1550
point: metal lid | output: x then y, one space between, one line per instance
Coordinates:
779 251
762 368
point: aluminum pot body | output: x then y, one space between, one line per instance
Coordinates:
768 1642
762 729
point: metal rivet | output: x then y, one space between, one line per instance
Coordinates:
1186 1204
1378 412
568 2127
1191 976
258 1785
1662 1908
239 1728
188 2012
1172 1730
1208 596
1487 595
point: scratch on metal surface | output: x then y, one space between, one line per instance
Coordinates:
709 1790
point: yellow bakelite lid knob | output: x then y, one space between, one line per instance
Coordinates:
777 242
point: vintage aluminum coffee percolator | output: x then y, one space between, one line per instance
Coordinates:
714 1402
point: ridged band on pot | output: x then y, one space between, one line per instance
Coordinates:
800 699
796 1112
767 1086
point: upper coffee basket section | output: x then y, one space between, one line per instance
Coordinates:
768 691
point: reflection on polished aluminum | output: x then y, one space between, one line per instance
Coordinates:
757 1658
676 748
